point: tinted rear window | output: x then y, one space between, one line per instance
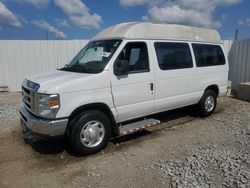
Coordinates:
208 55
173 55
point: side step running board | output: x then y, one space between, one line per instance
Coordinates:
137 126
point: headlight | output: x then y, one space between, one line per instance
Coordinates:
48 105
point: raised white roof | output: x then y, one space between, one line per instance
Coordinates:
148 30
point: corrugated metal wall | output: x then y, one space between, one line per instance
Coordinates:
21 58
227 47
239 63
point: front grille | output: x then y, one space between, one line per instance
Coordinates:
26 90
30 95
28 98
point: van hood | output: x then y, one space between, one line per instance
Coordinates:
64 81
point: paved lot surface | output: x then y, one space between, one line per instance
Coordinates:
183 151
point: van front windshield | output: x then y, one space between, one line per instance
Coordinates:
94 57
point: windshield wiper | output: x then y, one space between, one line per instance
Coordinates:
76 68
81 68
65 68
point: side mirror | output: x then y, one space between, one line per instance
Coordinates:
121 67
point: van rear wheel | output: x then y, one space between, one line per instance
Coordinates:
90 132
207 104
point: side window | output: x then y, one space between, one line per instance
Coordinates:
208 55
173 55
136 54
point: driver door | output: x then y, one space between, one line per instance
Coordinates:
133 93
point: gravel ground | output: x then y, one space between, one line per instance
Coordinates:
183 151
9 107
202 167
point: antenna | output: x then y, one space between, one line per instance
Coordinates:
236 34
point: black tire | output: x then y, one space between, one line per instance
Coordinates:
74 132
204 110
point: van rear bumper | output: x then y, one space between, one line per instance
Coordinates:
41 127
222 91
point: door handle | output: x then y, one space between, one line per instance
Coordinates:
152 88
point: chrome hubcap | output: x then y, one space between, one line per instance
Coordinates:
92 133
209 104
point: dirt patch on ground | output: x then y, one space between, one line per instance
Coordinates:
183 151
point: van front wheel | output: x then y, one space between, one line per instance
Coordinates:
90 133
207 103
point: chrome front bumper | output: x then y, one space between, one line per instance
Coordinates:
42 127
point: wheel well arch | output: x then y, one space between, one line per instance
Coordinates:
214 88
96 106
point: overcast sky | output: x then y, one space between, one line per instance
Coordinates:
82 19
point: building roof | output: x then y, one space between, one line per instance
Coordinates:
147 30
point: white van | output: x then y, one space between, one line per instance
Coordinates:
126 72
